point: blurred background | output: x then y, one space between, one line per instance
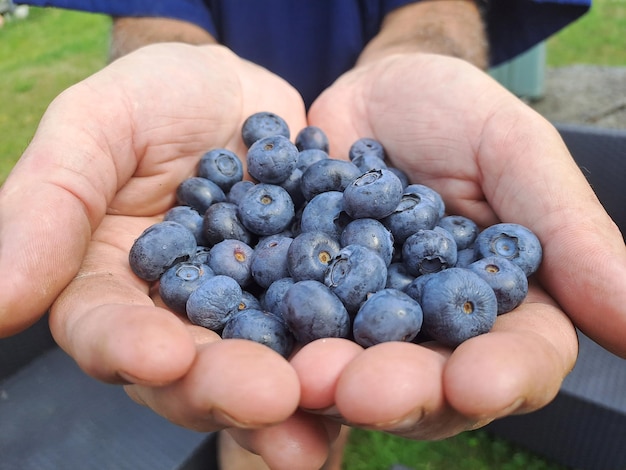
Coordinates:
577 76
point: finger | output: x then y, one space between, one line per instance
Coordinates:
396 387
584 263
516 368
302 441
319 365
232 383
107 322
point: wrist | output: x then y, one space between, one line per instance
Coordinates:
447 27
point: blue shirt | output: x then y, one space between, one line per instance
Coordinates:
311 42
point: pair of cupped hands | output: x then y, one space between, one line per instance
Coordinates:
105 162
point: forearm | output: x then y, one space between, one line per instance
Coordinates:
132 33
448 27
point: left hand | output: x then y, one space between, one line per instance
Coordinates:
451 127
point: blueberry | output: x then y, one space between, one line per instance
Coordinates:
416 287
214 302
429 194
232 258
222 166
371 234
413 213
188 217
237 190
269 260
271 159
354 273
249 300
312 137
221 222
261 327
159 247
266 209
457 305
272 298
463 229
375 194
312 311
398 277
429 251
263 124
512 241
328 175
465 257
199 193
307 157
387 315
293 185
202 255
368 162
366 145
402 176
507 279
309 255
178 282
325 213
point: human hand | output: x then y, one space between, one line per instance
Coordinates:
453 128
104 164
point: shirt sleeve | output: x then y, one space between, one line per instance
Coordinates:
193 11
514 26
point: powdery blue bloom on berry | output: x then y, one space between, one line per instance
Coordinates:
199 193
398 277
232 258
214 302
506 278
463 229
328 175
325 213
375 195
512 241
261 327
222 166
312 311
355 273
159 247
429 251
430 194
366 146
266 209
371 234
387 315
269 260
309 255
271 159
272 298
263 124
457 305
221 222
412 213
312 137
188 217
178 282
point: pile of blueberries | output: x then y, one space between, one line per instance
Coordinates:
315 247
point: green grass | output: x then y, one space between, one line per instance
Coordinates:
474 450
40 57
598 38
52 49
